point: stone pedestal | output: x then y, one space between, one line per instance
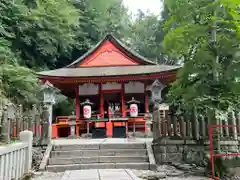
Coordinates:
72 123
149 131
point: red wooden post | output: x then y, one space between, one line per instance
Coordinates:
123 110
146 98
77 101
77 107
211 150
101 104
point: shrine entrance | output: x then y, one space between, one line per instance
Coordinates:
112 111
112 104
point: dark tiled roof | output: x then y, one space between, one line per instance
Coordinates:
129 52
108 71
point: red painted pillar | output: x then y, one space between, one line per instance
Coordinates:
123 108
77 109
146 98
77 101
146 107
101 104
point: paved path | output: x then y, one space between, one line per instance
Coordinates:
100 174
106 174
91 174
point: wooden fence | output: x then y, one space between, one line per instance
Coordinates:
16 158
14 119
194 126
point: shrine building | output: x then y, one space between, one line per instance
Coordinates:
111 85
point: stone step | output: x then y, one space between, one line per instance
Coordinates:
61 168
105 152
75 147
100 159
99 146
123 146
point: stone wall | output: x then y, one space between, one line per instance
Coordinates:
188 151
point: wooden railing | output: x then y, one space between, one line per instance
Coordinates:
194 126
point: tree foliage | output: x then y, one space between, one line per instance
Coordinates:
46 32
40 34
32 37
192 40
146 36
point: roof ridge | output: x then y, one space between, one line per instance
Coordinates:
126 66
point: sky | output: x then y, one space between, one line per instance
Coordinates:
154 6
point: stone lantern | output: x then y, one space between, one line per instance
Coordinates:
156 90
49 92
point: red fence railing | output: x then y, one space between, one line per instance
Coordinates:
213 130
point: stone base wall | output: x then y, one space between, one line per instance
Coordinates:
188 151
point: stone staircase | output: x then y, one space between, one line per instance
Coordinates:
98 156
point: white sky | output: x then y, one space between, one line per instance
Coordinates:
154 6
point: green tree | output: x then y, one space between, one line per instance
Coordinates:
96 20
46 32
192 41
147 36
17 83
39 34
32 37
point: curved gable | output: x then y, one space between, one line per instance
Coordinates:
107 55
110 52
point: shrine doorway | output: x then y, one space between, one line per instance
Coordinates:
112 110
112 102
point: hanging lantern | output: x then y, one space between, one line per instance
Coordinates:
133 110
87 109
133 107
